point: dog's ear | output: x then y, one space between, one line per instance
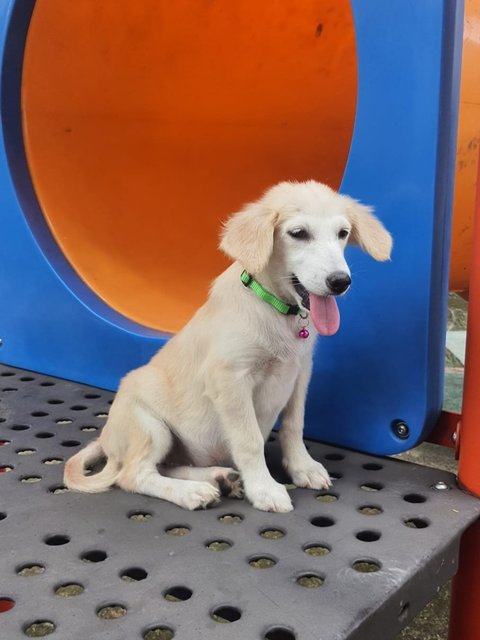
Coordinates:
248 236
368 232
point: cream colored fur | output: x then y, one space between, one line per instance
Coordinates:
203 407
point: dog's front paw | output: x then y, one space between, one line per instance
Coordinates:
311 475
273 497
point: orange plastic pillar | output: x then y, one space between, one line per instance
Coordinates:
465 609
465 615
467 150
469 467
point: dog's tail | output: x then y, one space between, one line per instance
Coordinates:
74 476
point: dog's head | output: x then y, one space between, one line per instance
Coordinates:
297 233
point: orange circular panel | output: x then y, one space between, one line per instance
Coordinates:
146 123
467 150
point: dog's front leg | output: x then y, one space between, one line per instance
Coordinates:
234 404
302 468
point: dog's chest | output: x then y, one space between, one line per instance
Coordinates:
274 383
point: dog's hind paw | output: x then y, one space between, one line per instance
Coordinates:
231 484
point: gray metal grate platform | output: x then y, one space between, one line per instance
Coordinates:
355 562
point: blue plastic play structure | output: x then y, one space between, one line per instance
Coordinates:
385 365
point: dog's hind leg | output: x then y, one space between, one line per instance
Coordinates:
151 444
227 479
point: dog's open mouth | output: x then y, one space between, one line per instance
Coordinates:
323 309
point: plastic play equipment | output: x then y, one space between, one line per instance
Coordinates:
135 135
131 129
467 150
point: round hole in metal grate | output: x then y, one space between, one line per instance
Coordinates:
25 452
5 443
230 518
44 435
7 374
133 574
140 516
372 466
414 498
322 521
225 614
371 486
58 488
416 523
56 540
368 535
78 407
334 456
159 633
370 510
20 427
279 633
27 378
94 556
7 389
327 496
30 479
39 629
310 580
178 594
3 515
102 414
272 534
262 562
47 383
88 429
63 421
30 570
316 549
39 414
69 590
219 545
92 396
335 475
112 611
177 530
52 461
55 401
6 604
6 468
70 443
366 566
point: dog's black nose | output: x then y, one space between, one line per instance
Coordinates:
338 282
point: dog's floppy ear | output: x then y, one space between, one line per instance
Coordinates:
368 232
248 236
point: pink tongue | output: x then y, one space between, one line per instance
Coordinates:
324 313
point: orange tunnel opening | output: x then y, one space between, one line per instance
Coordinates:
147 123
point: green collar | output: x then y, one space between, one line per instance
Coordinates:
263 294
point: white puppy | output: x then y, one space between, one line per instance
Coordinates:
208 400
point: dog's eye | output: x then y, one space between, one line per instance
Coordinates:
343 233
299 234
